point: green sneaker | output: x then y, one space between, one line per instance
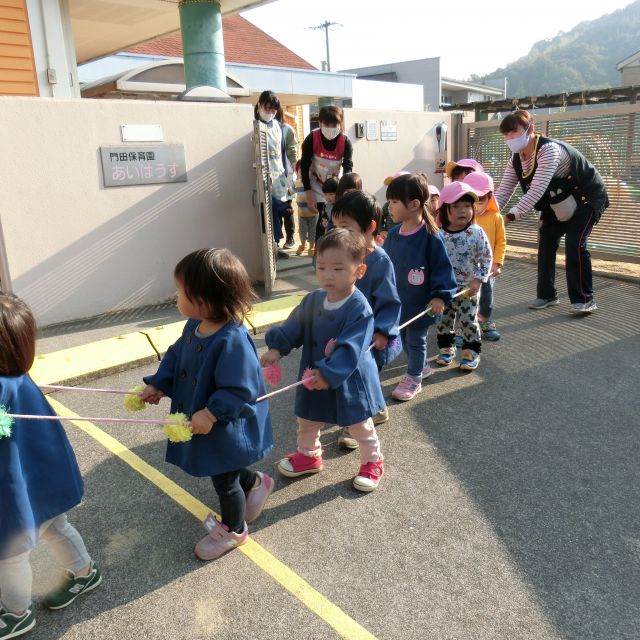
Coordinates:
12 626
71 588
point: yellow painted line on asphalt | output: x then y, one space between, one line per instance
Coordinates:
345 626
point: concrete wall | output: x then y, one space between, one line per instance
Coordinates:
75 248
415 149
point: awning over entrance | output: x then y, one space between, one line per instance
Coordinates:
101 27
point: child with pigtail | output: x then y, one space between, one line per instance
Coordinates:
39 482
212 374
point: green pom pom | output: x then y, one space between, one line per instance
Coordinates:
6 422
132 401
177 431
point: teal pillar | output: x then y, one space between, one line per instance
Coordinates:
202 44
325 101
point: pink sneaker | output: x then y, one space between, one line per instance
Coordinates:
219 540
427 371
369 476
257 497
297 464
407 389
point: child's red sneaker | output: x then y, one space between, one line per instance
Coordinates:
297 464
369 476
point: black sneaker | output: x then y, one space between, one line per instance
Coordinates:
71 588
12 625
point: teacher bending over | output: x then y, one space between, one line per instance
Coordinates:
568 192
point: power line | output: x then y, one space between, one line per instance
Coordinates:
325 25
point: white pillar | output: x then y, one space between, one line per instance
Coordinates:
53 48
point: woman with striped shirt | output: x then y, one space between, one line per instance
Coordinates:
568 192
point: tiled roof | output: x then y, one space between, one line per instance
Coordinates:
243 43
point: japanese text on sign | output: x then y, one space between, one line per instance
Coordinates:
125 166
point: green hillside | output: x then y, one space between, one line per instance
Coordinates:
583 58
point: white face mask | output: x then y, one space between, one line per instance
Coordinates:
330 133
265 116
518 144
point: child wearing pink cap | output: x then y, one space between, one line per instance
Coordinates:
492 223
457 170
470 254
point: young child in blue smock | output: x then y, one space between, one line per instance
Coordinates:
424 274
360 212
212 374
334 326
39 482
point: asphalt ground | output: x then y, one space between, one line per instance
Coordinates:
510 506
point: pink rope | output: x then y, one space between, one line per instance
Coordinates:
59 387
88 419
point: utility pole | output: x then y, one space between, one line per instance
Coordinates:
325 25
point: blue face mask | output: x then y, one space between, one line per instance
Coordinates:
518 144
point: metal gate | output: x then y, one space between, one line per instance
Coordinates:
263 204
610 139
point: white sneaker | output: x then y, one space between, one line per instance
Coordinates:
583 307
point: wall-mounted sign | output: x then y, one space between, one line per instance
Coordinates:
143 164
388 130
141 132
372 129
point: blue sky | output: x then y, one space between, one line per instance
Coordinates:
470 37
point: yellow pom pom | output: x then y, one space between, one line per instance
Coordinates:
177 431
132 401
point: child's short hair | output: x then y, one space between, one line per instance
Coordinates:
345 240
217 279
443 211
349 182
459 172
17 336
413 186
330 185
359 206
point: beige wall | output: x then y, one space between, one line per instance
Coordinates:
415 149
76 249
631 75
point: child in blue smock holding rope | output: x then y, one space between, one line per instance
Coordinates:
334 326
39 482
212 374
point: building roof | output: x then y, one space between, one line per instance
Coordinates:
243 43
450 83
633 58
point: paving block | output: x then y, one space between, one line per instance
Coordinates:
89 361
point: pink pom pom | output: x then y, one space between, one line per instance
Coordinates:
272 374
309 379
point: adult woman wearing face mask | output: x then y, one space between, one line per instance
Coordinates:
266 109
567 190
324 152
